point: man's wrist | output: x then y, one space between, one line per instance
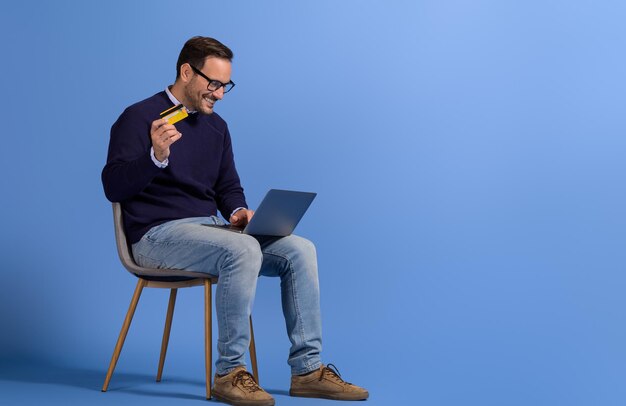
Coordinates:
160 164
236 210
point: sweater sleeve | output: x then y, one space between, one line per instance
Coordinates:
228 191
129 168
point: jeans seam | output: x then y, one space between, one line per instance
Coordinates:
224 290
297 306
295 299
186 241
224 298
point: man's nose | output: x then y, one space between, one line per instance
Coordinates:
219 93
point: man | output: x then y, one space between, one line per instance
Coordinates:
171 181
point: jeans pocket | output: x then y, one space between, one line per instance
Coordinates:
147 262
153 233
143 250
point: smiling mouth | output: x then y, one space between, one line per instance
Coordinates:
209 100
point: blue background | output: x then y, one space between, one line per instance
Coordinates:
468 159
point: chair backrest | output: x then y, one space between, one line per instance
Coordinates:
123 250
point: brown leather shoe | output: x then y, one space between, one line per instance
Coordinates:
325 383
240 389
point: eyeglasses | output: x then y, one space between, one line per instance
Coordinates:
214 85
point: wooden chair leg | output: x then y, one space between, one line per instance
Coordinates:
166 332
207 335
120 340
255 370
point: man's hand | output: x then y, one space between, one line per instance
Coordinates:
241 217
163 135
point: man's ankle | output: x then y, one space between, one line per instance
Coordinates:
307 373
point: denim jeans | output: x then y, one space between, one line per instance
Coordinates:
238 260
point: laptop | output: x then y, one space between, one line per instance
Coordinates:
278 214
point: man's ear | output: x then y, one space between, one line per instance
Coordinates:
186 72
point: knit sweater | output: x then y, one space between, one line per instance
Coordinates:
200 178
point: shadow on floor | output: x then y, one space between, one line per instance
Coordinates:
45 373
277 391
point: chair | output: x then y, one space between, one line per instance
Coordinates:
173 279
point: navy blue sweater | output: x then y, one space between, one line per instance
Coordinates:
200 179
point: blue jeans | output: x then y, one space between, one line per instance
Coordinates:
238 260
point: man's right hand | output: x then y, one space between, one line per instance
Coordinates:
163 135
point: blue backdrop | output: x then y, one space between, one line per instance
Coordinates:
468 159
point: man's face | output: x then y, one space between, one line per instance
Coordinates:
197 96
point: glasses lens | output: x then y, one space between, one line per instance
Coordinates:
215 85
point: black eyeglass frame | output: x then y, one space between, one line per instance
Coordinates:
212 81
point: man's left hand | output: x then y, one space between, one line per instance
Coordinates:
241 217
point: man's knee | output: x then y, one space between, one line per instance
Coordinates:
302 246
302 255
247 252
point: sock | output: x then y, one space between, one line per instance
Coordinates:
309 373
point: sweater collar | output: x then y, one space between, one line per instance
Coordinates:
175 100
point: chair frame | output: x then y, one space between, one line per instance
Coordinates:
172 279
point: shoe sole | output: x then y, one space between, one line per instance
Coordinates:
225 399
331 396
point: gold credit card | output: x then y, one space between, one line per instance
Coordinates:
174 114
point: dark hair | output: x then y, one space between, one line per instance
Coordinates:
197 49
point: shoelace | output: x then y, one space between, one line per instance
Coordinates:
247 381
333 373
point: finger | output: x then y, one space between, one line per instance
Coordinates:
161 139
168 126
163 144
173 138
161 129
166 130
157 134
170 134
170 131
157 124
